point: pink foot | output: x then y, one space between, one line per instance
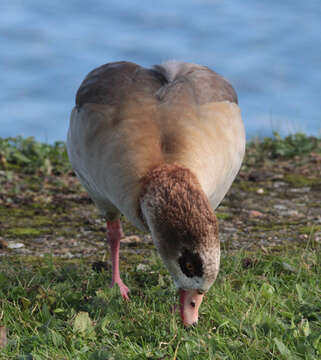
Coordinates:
123 289
114 234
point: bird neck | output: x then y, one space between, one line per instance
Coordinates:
174 206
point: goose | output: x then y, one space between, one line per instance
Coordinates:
161 146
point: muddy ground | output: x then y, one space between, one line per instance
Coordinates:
273 203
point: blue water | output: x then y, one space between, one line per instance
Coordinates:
270 50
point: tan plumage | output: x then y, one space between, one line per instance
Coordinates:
178 118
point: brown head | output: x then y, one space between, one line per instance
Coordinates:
185 231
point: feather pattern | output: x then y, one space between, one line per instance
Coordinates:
128 119
162 146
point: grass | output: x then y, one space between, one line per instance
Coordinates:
29 156
260 150
262 306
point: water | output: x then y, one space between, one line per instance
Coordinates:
269 50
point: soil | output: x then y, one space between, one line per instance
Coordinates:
272 204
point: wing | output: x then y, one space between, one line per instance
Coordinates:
202 125
129 119
111 140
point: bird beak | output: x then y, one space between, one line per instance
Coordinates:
190 301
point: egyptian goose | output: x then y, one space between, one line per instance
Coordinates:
161 146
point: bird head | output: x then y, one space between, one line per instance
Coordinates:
193 269
185 231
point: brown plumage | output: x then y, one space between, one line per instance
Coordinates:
183 202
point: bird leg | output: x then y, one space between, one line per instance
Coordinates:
114 234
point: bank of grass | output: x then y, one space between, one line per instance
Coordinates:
262 306
30 156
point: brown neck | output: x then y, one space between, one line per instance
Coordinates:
172 197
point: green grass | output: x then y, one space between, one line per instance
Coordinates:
291 145
276 147
30 156
262 306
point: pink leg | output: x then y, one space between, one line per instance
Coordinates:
114 234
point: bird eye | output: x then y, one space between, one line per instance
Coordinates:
191 264
193 304
190 267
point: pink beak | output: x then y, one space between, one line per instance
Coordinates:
190 301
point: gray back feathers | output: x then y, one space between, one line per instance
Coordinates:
113 83
208 86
